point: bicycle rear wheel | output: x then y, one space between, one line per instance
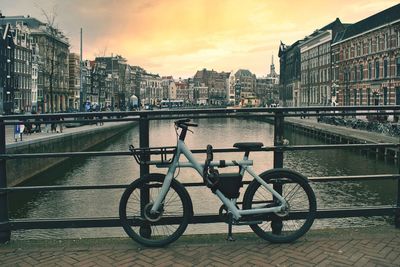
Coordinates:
154 230
287 226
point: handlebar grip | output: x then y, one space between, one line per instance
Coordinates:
182 121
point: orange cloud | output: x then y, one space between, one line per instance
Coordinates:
179 37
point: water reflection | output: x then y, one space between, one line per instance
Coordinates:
221 133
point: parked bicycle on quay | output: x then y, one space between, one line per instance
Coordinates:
279 205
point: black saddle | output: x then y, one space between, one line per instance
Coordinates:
249 145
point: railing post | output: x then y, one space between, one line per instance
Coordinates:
144 141
278 139
397 213
144 138
5 232
276 224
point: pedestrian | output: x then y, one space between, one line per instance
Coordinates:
53 124
61 124
37 125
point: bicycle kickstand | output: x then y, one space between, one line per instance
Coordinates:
230 221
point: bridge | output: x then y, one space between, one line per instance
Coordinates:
279 115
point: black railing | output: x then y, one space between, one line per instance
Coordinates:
278 115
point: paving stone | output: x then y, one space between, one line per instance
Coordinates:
355 251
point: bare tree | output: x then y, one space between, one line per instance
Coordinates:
53 54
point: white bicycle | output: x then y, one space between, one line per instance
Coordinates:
279 205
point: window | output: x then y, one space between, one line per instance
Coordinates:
369 96
369 70
361 96
361 72
397 95
370 46
377 69
355 97
398 67
387 41
385 96
385 68
398 38
355 73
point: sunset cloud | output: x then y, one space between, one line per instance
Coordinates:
178 37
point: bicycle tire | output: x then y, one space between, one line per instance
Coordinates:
160 230
278 228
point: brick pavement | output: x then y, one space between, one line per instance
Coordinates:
346 247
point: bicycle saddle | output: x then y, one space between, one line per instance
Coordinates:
248 145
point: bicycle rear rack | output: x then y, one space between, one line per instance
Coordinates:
147 155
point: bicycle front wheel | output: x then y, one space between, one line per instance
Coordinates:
154 230
288 225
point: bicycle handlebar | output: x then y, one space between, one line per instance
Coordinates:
185 122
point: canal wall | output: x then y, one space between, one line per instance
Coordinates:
72 140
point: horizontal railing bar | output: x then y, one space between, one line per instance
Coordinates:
217 150
336 146
193 116
63 187
317 114
383 210
211 116
207 110
194 184
47 223
85 121
355 178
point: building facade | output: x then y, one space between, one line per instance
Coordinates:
116 69
267 88
7 78
316 66
366 59
247 81
36 61
22 67
290 74
151 89
74 81
217 83
53 74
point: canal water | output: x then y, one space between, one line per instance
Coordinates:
221 133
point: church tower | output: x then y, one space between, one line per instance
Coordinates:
272 72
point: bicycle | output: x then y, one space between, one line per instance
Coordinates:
279 205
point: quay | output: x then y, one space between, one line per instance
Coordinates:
70 139
332 247
335 134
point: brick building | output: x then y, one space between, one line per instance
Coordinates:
366 58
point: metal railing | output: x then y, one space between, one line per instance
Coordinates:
278 116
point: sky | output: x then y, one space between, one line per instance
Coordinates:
179 37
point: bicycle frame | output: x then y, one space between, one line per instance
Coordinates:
245 165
